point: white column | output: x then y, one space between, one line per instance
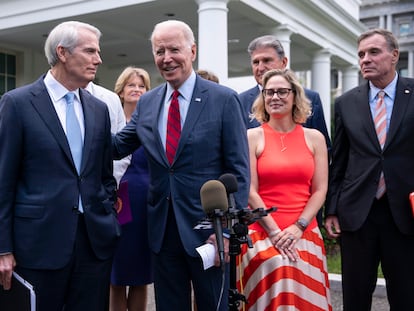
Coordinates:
389 22
350 78
283 33
212 37
381 21
410 64
321 81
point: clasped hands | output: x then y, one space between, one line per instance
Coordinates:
285 241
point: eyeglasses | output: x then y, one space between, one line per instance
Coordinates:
281 93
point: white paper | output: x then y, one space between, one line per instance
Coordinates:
207 253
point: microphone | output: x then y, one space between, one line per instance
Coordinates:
230 183
214 202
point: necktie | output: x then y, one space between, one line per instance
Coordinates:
73 131
173 127
380 121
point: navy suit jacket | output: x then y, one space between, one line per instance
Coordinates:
39 184
358 159
316 120
213 142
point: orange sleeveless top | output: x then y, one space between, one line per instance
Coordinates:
285 169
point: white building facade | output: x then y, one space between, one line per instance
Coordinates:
319 37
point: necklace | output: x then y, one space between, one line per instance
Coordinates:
282 135
282 143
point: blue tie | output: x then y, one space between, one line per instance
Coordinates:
74 135
73 132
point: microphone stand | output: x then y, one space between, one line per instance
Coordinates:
240 220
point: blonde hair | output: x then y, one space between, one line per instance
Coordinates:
301 105
127 74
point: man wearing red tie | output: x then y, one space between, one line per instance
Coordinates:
192 131
371 177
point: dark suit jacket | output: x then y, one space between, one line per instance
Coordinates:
213 141
358 159
39 184
316 120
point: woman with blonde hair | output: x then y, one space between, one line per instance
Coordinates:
132 266
286 268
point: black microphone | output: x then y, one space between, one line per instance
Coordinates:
230 183
214 201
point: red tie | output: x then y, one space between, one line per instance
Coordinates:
380 121
173 127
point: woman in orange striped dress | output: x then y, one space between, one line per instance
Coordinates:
286 268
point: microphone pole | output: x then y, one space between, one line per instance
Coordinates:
214 202
237 231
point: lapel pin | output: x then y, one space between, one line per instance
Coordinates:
197 99
407 91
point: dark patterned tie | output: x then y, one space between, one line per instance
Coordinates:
380 121
173 127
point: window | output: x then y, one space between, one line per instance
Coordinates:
7 72
404 29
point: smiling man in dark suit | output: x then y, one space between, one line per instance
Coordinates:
372 176
212 142
58 227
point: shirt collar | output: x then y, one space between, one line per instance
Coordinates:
56 90
390 89
186 89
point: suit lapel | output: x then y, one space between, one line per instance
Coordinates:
89 121
158 104
401 103
43 105
362 100
198 100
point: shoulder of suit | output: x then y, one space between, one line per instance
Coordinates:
253 90
356 91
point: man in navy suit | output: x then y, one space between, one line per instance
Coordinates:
58 227
266 52
374 226
213 141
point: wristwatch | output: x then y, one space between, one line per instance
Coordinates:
302 223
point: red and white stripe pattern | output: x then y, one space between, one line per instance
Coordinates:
380 122
271 283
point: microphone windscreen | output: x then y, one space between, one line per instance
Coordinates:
213 196
230 182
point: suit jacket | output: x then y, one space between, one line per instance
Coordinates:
213 141
39 184
316 120
358 159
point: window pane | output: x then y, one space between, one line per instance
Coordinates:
405 29
2 63
11 83
2 84
11 65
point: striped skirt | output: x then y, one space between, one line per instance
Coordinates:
272 283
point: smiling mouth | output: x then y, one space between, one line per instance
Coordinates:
170 69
